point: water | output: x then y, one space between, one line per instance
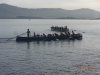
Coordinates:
65 57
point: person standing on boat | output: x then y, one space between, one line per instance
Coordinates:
73 33
34 34
69 35
28 32
65 27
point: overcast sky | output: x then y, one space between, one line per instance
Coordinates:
65 4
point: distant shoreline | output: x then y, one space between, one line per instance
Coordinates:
64 18
50 18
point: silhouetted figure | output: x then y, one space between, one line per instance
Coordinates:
28 32
73 33
66 27
34 34
69 34
44 35
38 35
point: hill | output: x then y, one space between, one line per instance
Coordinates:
9 11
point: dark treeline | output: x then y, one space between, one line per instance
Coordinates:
27 17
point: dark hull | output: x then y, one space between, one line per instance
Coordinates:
38 38
48 38
76 36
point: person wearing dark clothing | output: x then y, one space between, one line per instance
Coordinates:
44 35
28 32
73 32
34 34
69 34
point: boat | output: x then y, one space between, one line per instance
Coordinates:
49 38
77 36
60 29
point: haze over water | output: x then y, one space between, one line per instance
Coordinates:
62 57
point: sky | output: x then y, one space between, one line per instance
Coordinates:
64 4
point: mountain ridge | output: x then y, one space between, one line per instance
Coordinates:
9 11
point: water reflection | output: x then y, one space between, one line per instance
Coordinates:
28 45
35 45
57 43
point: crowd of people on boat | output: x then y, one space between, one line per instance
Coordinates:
65 34
59 28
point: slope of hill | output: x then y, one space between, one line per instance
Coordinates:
9 11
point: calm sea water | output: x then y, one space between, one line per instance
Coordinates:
65 57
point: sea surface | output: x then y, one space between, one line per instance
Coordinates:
61 57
